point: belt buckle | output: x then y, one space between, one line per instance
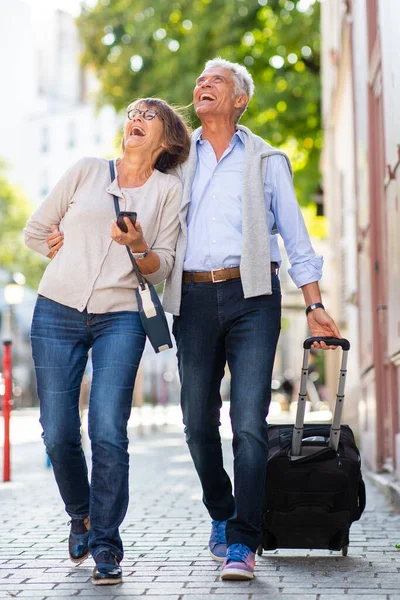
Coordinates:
217 280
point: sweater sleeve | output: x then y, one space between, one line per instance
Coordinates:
165 243
53 209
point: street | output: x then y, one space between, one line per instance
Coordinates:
166 532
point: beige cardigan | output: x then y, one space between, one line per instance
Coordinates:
91 270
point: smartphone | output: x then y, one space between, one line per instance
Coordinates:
120 220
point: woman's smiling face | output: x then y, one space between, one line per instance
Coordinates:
144 128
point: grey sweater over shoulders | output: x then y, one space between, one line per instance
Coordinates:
255 260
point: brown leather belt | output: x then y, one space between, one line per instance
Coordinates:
218 275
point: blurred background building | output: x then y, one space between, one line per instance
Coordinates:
48 120
48 116
360 163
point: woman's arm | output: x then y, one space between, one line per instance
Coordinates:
159 262
134 238
49 214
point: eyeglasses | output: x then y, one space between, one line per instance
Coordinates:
147 114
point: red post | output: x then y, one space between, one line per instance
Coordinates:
7 400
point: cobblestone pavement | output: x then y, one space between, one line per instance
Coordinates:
165 536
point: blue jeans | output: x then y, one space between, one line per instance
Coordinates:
218 325
61 338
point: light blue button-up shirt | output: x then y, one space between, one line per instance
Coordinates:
214 217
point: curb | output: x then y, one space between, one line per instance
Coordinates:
386 483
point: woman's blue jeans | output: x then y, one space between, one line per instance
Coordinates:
217 325
61 338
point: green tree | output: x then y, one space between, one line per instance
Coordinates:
138 49
14 212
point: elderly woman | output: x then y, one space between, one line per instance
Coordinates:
86 301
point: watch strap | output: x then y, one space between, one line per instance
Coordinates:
313 306
141 255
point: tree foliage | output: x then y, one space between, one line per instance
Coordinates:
14 212
158 48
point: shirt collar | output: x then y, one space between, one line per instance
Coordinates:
238 135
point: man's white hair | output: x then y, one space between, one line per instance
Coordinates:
242 79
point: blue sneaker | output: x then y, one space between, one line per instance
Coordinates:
107 570
78 541
217 543
239 563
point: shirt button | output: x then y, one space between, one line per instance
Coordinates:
213 218
213 241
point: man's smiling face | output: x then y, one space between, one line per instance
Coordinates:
214 93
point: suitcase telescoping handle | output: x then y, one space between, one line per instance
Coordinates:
301 405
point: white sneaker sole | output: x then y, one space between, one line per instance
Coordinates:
236 575
217 558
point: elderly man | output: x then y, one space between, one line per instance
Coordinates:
225 294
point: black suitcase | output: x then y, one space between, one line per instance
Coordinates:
314 488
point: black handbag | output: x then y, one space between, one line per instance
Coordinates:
151 312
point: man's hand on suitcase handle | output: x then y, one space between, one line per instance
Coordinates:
330 341
322 325
319 322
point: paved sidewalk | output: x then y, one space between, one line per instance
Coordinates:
166 532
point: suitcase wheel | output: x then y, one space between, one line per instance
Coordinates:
260 550
344 550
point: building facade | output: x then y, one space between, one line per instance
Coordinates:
360 163
48 115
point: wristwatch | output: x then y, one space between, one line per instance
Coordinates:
141 255
314 306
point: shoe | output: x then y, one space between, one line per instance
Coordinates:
239 563
78 541
217 543
107 570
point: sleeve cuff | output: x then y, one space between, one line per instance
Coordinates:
307 272
159 275
39 246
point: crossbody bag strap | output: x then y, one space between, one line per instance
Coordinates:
141 280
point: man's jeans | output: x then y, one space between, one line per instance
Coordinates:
218 325
61 338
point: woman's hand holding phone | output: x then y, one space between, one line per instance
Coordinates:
133 237
121 220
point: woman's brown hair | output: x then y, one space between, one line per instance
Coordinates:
176 133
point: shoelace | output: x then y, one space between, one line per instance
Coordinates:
238 553
219 532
